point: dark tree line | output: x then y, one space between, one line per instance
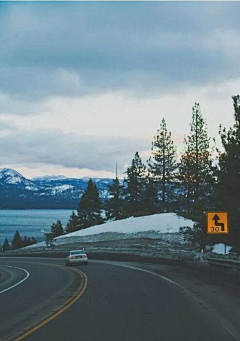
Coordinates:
18 242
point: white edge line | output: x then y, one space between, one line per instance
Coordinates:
15 285
229 328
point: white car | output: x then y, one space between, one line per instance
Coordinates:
76 257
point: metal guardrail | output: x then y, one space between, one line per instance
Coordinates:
227 263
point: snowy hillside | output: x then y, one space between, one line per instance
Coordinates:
161 223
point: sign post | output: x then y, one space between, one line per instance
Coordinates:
217 223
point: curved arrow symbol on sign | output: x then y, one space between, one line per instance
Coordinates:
216 221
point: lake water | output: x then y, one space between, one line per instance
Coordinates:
30 223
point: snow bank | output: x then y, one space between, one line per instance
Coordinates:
162 223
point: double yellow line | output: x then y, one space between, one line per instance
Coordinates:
67 305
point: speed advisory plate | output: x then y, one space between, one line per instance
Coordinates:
217 223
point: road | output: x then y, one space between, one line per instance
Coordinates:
115 301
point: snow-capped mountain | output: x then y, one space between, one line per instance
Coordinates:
12 177
44 192
49 178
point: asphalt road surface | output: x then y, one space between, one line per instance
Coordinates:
114 301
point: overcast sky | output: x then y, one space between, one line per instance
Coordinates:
84 85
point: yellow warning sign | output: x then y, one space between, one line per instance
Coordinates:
217 223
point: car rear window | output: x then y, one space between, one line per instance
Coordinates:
77 252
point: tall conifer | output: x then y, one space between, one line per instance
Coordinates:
72 224
196 165
6 246
228 188
115 201
89 207
134 191
163 164
17 241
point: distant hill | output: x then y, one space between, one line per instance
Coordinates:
48 192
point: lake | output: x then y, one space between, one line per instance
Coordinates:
30 223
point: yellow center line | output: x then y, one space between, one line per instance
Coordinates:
67 305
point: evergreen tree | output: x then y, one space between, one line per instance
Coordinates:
115 201
196 236
6 246
89 207
196 166
134 191
49 239
72 224
25 241
163 165
185 170
17 241
228 175
57 229
150 196
33 241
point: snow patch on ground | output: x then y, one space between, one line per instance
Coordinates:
220 249
161 223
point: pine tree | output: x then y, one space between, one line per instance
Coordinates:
196 236
89 207
196 165
57 229
163 165
33 241
25 241
17 241
134 191
150 196
228 187
6 246
72 224
115 201
49 239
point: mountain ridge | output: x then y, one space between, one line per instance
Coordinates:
51 192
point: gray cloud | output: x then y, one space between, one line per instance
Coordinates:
4 126
68 150
74 49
